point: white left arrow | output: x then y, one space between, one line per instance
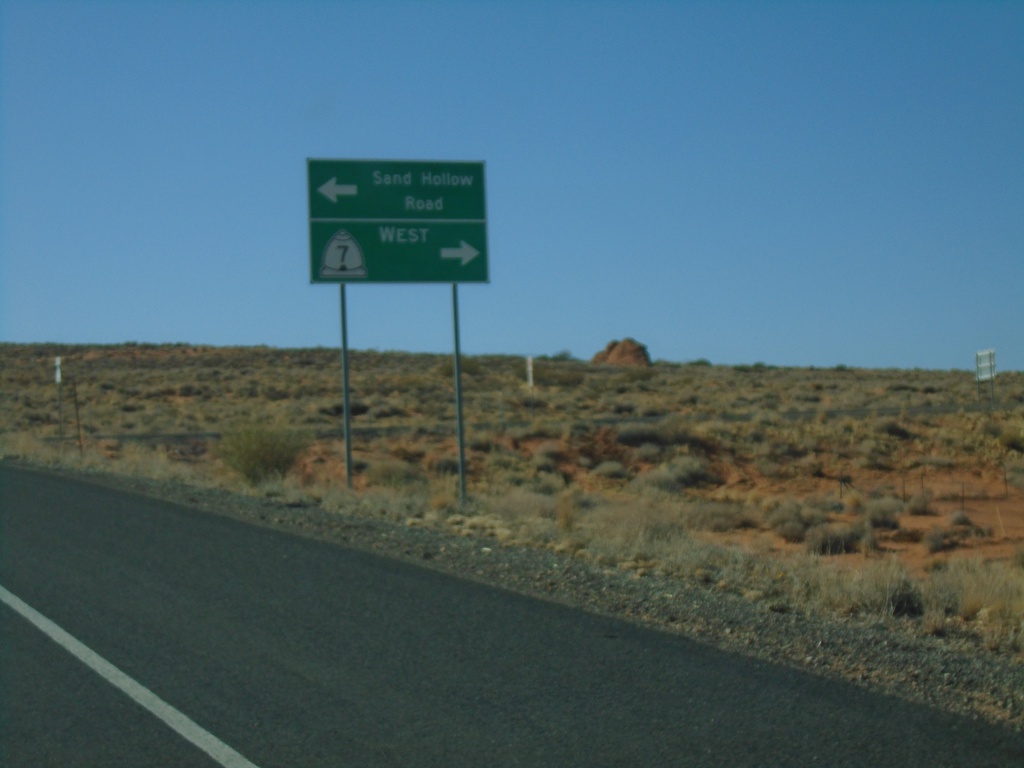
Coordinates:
332 189
465 251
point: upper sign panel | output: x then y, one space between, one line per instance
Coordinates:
397 221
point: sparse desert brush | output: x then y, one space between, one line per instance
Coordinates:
718 516
853 503
259 452
1015 473
670 431
631 529
989 594
635 435
154 462
648 453
880 588
791 520
682 472
812 466
884 512
920 504
893 428
1012 439
518 505
548 455
833 538
394 474
568 507
442 464
25 445
611 470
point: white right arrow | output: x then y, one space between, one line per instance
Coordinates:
465 251
332 189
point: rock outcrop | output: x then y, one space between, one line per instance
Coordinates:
627 352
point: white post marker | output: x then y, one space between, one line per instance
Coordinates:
529 372
56 368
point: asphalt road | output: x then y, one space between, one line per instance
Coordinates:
296 653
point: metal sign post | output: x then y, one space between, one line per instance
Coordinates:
458 397
347 417
60 401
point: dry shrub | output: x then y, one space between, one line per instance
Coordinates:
1012 439
568 506
25 445
1015 473
989 594
648 453
394 474
893 428
612 470
629 530
635 435
920 504
881 587
153 462
935 540
884 513
667 432
443 465
791 520
548 455
259 453
682 472
718 517
833 538
520 504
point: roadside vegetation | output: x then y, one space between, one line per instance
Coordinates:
839 490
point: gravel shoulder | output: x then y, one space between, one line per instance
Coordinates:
954 673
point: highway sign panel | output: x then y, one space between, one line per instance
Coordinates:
397 221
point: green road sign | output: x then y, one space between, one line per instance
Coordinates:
397 221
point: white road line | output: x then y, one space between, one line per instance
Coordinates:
202 738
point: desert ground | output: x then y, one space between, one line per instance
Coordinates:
897 493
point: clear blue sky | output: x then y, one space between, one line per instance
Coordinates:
807 183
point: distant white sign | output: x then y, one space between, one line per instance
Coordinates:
56 371
986 362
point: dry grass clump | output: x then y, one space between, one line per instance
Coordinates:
394 474
680 473
1015 473
834 538
884 513
611 470
619 530
882 587
719 516
920 504
935 540
791 520
1012 439
259 452
548 455
26 445
670 431
988 595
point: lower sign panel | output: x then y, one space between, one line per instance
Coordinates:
399 251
